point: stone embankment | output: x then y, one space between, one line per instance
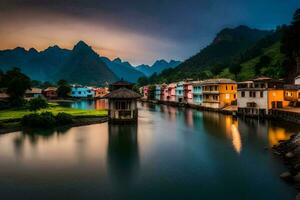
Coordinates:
227 110
289 151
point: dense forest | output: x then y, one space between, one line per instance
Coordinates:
242 53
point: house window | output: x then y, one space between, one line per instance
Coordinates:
226 87
231 87
234 96
79 92
261 94
254 94
243 94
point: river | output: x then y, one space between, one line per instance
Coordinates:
173 153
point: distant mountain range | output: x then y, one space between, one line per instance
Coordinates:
80 65
157 67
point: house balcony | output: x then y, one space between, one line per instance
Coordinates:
210 92
210 101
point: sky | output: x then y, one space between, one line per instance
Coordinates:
139 31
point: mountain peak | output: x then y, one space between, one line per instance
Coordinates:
81 45
160 62
32 51
20 49
52 48
117 60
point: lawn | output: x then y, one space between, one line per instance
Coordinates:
54 108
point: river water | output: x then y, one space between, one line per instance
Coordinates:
173 153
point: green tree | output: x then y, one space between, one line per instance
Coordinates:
37 104
235 69
142 81
264 61
16 83
291 47
36 83
63 89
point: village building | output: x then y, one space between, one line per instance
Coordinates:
188 92
78 91
33 93
122 103
100 92
171 92
157 92
218 93
197 93
292 93
3 94
164 92
297 80
50 92
179 91
146 92
259 96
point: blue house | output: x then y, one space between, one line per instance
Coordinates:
197 93
179 91
157 92
79 91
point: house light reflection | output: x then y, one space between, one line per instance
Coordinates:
236 138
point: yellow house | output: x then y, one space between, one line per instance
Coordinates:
218 93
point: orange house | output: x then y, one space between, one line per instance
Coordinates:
218 93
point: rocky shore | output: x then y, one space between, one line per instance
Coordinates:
289 151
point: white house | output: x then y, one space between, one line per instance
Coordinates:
258 96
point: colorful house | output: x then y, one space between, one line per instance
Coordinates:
197 93
164 92
157 92
218 93
145 92
33 93
171 92
188 92
100 92
292 92
259 96
79 91
179 91
50 92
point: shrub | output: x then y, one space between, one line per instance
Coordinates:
35 120
37 104
64 118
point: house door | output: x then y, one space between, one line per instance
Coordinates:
279 104
273 104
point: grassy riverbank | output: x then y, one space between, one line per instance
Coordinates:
10 119
18 113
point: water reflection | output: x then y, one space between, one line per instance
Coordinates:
98 104
227 127
170 155
34 137
122 152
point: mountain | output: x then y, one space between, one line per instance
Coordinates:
124 70
39 65
85 66
157 67
224 50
